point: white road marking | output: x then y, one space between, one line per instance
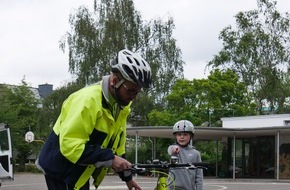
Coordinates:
218 186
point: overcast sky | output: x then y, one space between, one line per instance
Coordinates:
31 30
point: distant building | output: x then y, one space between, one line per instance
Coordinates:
45 90
41 92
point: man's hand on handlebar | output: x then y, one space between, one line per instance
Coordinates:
119 164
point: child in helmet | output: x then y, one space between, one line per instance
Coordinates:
185 179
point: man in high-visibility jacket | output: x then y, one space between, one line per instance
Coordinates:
89 135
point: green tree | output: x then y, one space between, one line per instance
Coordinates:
258 50
19 109
285 107
201 100
95 38
52 106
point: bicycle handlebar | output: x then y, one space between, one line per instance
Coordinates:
170 165
139 168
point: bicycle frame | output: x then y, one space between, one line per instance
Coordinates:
161 182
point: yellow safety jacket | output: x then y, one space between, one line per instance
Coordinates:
86 133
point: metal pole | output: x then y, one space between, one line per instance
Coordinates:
136 149
278 156
209 116
154 154
154 148
216 158
234 159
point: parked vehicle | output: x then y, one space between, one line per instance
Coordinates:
6 165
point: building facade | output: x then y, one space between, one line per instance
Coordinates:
262 155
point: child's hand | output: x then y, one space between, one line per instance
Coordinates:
175 149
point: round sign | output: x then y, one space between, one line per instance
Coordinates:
29 136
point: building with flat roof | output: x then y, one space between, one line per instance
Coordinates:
256 146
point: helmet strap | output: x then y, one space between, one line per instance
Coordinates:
119 84
116 90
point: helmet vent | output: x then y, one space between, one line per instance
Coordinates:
137 62
130 60
144 64
127 53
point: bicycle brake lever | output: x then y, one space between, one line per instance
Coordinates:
137 170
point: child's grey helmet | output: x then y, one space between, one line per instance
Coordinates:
133 68
183 126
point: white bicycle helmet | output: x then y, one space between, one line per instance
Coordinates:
183 126
133 68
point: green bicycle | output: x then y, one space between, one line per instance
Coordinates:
162 169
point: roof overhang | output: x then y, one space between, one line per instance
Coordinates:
209 133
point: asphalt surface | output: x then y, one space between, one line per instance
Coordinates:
27 181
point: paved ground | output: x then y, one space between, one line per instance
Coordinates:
26 181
